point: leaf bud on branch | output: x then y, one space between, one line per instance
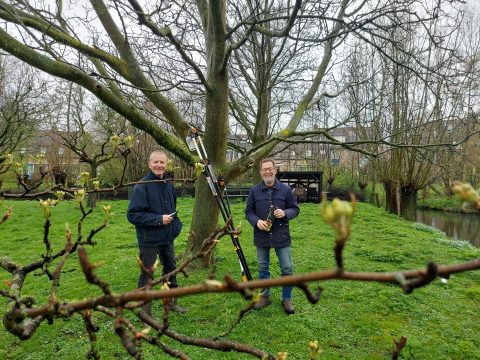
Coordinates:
79 195
338 214
85 176
198 169
60 195
8 159
314 349
129 141
96 184
114 141
46 206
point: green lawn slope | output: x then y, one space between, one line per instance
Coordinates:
353 320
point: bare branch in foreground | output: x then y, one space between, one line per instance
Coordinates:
91 330
399 345
6 215
22 318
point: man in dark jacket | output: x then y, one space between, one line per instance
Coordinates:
152 209
270 206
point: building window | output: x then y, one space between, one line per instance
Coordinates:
30 169
363 162
61 151
308 153
43 150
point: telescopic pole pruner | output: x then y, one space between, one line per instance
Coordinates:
195 143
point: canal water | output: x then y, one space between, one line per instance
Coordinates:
458 226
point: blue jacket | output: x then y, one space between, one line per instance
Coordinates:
258 204
148 203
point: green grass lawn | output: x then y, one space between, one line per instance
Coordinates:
353 320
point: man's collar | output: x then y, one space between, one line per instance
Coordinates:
152 176
265 187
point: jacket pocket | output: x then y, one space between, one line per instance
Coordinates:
176 227
148 236
282 235
153 235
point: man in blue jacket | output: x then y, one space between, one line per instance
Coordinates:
270 207
152 209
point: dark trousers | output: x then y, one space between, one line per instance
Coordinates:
148 255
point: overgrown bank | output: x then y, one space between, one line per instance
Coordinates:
353 320
445 204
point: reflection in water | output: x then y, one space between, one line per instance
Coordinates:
456 225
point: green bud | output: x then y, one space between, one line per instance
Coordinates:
79 195
114 140
329 214
96 184
46 206
85 176
198 169
107 209
129 141
60 195
8 159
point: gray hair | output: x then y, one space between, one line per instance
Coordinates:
267 160
157 152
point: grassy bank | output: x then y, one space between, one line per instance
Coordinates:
445 204
352 320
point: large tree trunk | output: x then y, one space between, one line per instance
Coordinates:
373 195
447 185
408 196
362 186
391 197
262 124
205 211
330 181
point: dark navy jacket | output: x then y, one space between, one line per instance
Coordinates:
258 204
148 203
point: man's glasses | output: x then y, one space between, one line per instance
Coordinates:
271 169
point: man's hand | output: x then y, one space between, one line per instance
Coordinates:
262 225
279 213
167 219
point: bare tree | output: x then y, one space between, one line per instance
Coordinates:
22 109
187 48
463 163
94 136
394 103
